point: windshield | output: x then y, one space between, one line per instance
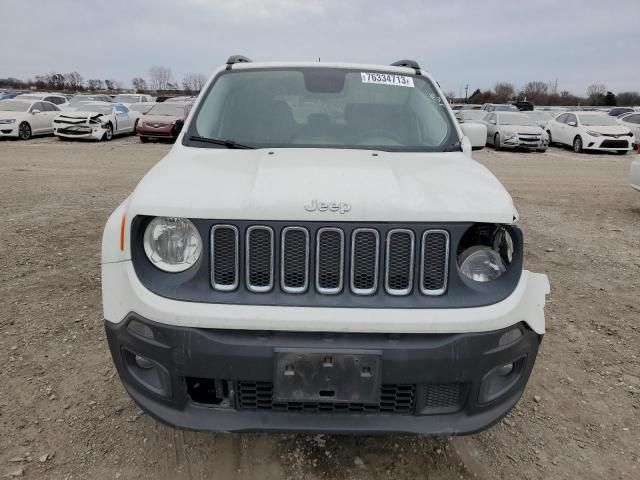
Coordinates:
539 115
597 120
127 98
505 108
172 109
13 106
88 107
324 107
84 98
516 119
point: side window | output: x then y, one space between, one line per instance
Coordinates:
634 119
57 100
38 106
121 109
572 118
46 106
562 118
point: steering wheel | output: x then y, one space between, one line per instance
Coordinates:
379 133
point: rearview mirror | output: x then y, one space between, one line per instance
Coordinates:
476 133
34 111
572 124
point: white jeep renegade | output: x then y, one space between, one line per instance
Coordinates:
319 252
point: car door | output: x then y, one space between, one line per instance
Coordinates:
570 129
50 111
38 118
556 127
123 119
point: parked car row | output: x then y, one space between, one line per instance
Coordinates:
90 117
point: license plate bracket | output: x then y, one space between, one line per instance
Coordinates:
327 376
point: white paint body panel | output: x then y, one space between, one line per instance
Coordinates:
123 293
635 172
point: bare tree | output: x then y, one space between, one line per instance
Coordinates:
596 90
503 92
94 84
73 81
113 85
536 91
160 77
139 83
193 82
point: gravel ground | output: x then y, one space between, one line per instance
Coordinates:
64 413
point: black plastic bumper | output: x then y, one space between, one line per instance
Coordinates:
222 380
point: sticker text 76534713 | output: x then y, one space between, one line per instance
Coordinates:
387 79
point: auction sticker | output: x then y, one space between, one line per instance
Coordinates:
386 79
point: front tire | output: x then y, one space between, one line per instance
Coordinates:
24 131
108 135
550 138
622 152
577 144
496 141
135 128
144 139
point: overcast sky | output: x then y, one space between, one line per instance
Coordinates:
577 42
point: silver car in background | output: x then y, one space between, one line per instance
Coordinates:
514 130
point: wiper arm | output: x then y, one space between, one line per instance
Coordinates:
455 147
216 141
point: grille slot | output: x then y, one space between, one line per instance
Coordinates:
224 257
442 398
259 258
329 260
400 256
365 259
394 399
434 263
295 259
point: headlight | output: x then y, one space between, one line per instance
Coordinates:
509 135
481 264
8 121
593 134
172 244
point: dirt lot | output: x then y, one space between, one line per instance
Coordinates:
64 414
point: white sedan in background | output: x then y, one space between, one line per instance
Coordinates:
632 122
132 98
96 121
57 99
23 118
590 131
635 171
514 130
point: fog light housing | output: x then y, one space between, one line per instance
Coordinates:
501 380
143 363
140 328
509 336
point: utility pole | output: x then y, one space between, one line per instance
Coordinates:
466 92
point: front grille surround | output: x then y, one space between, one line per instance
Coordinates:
399 284
326 272
219 277
358 284
252 277
424 259
288 277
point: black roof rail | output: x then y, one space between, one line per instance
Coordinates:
407 63
237 59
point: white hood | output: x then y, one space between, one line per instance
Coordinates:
5 114
80 114
256 185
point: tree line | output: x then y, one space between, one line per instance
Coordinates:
159 79
542 93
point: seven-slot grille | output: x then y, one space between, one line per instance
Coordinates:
320 260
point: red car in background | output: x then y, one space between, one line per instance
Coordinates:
163 121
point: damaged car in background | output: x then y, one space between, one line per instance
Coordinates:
163 121
96 121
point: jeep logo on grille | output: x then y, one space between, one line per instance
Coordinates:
318 206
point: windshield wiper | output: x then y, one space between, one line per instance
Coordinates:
455 147
216 141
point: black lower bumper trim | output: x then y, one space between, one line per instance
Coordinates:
223 380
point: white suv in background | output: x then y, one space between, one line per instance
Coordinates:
590 131
320 252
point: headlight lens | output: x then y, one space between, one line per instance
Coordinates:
481 263
8 121
172 244
593 134
509 134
